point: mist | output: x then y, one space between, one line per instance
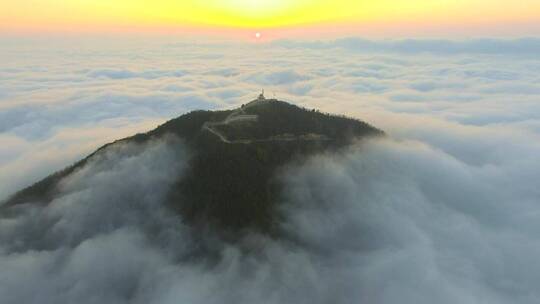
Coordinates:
443 210
404 222
384 221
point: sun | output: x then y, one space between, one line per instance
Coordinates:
258 35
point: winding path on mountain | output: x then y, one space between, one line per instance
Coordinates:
240 115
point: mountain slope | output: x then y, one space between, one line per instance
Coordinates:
236 155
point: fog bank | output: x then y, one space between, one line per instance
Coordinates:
386 221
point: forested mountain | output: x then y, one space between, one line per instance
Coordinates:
235 155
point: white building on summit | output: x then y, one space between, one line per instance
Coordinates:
261 96
259 101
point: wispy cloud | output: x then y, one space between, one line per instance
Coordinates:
525 46
126 74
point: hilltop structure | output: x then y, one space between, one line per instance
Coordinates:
261 96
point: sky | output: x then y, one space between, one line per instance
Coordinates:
279 18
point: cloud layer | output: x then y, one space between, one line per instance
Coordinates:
385 221
406 222
92 244
445 210
524 46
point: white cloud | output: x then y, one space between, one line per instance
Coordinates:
383 221
525 46
48 93
24 162
427 86
93 242
126 74
406 222
276 77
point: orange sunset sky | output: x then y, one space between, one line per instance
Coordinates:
275 17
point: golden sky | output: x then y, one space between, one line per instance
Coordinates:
72 15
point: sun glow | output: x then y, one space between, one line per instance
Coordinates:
254 8
260 14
